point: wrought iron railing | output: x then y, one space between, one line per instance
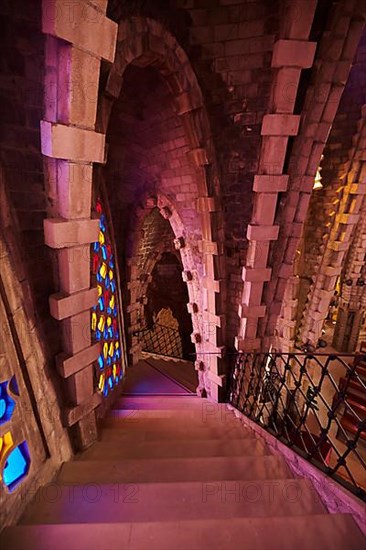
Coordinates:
314 403
161 340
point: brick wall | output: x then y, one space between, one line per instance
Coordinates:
21 108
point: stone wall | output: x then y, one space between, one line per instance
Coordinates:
38 395
21 108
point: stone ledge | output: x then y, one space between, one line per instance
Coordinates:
71 143
75 414
293 53
247 344
263 232
270 184
217 379
331 271
280 125
60 233
95 33
255 275
63 306
208 247
338 246
211 284
358 189
251 312
348 219
67 365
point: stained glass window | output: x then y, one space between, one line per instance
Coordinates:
104 317
14 460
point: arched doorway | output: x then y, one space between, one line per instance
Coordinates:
167 299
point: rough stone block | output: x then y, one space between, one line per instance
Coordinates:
257 254
331 271
273 154
74 188
80 385
256 275
338 246
270 184
74 268
196 338
246 311
247 345
208 247
263 232
75 414
265 208
79 84
285 90
252 293
187 276
280 125
81 24
63 306
293 53
348 219
70 143
192 308
67 366
61 233
286 271
179 243
76 333
216 378
358 189
210 284
299 18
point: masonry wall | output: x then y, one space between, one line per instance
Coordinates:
21 109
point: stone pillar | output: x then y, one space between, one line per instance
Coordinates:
291 53
70 146
342 235
353 288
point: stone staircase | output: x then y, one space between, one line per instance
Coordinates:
178 473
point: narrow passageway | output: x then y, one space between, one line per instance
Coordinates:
182 231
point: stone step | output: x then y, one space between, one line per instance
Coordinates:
151 402
214 413
174 469
315 532
135 423
113 448
131 434
178 501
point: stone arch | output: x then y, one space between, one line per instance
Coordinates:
144 42
192 275
73 139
